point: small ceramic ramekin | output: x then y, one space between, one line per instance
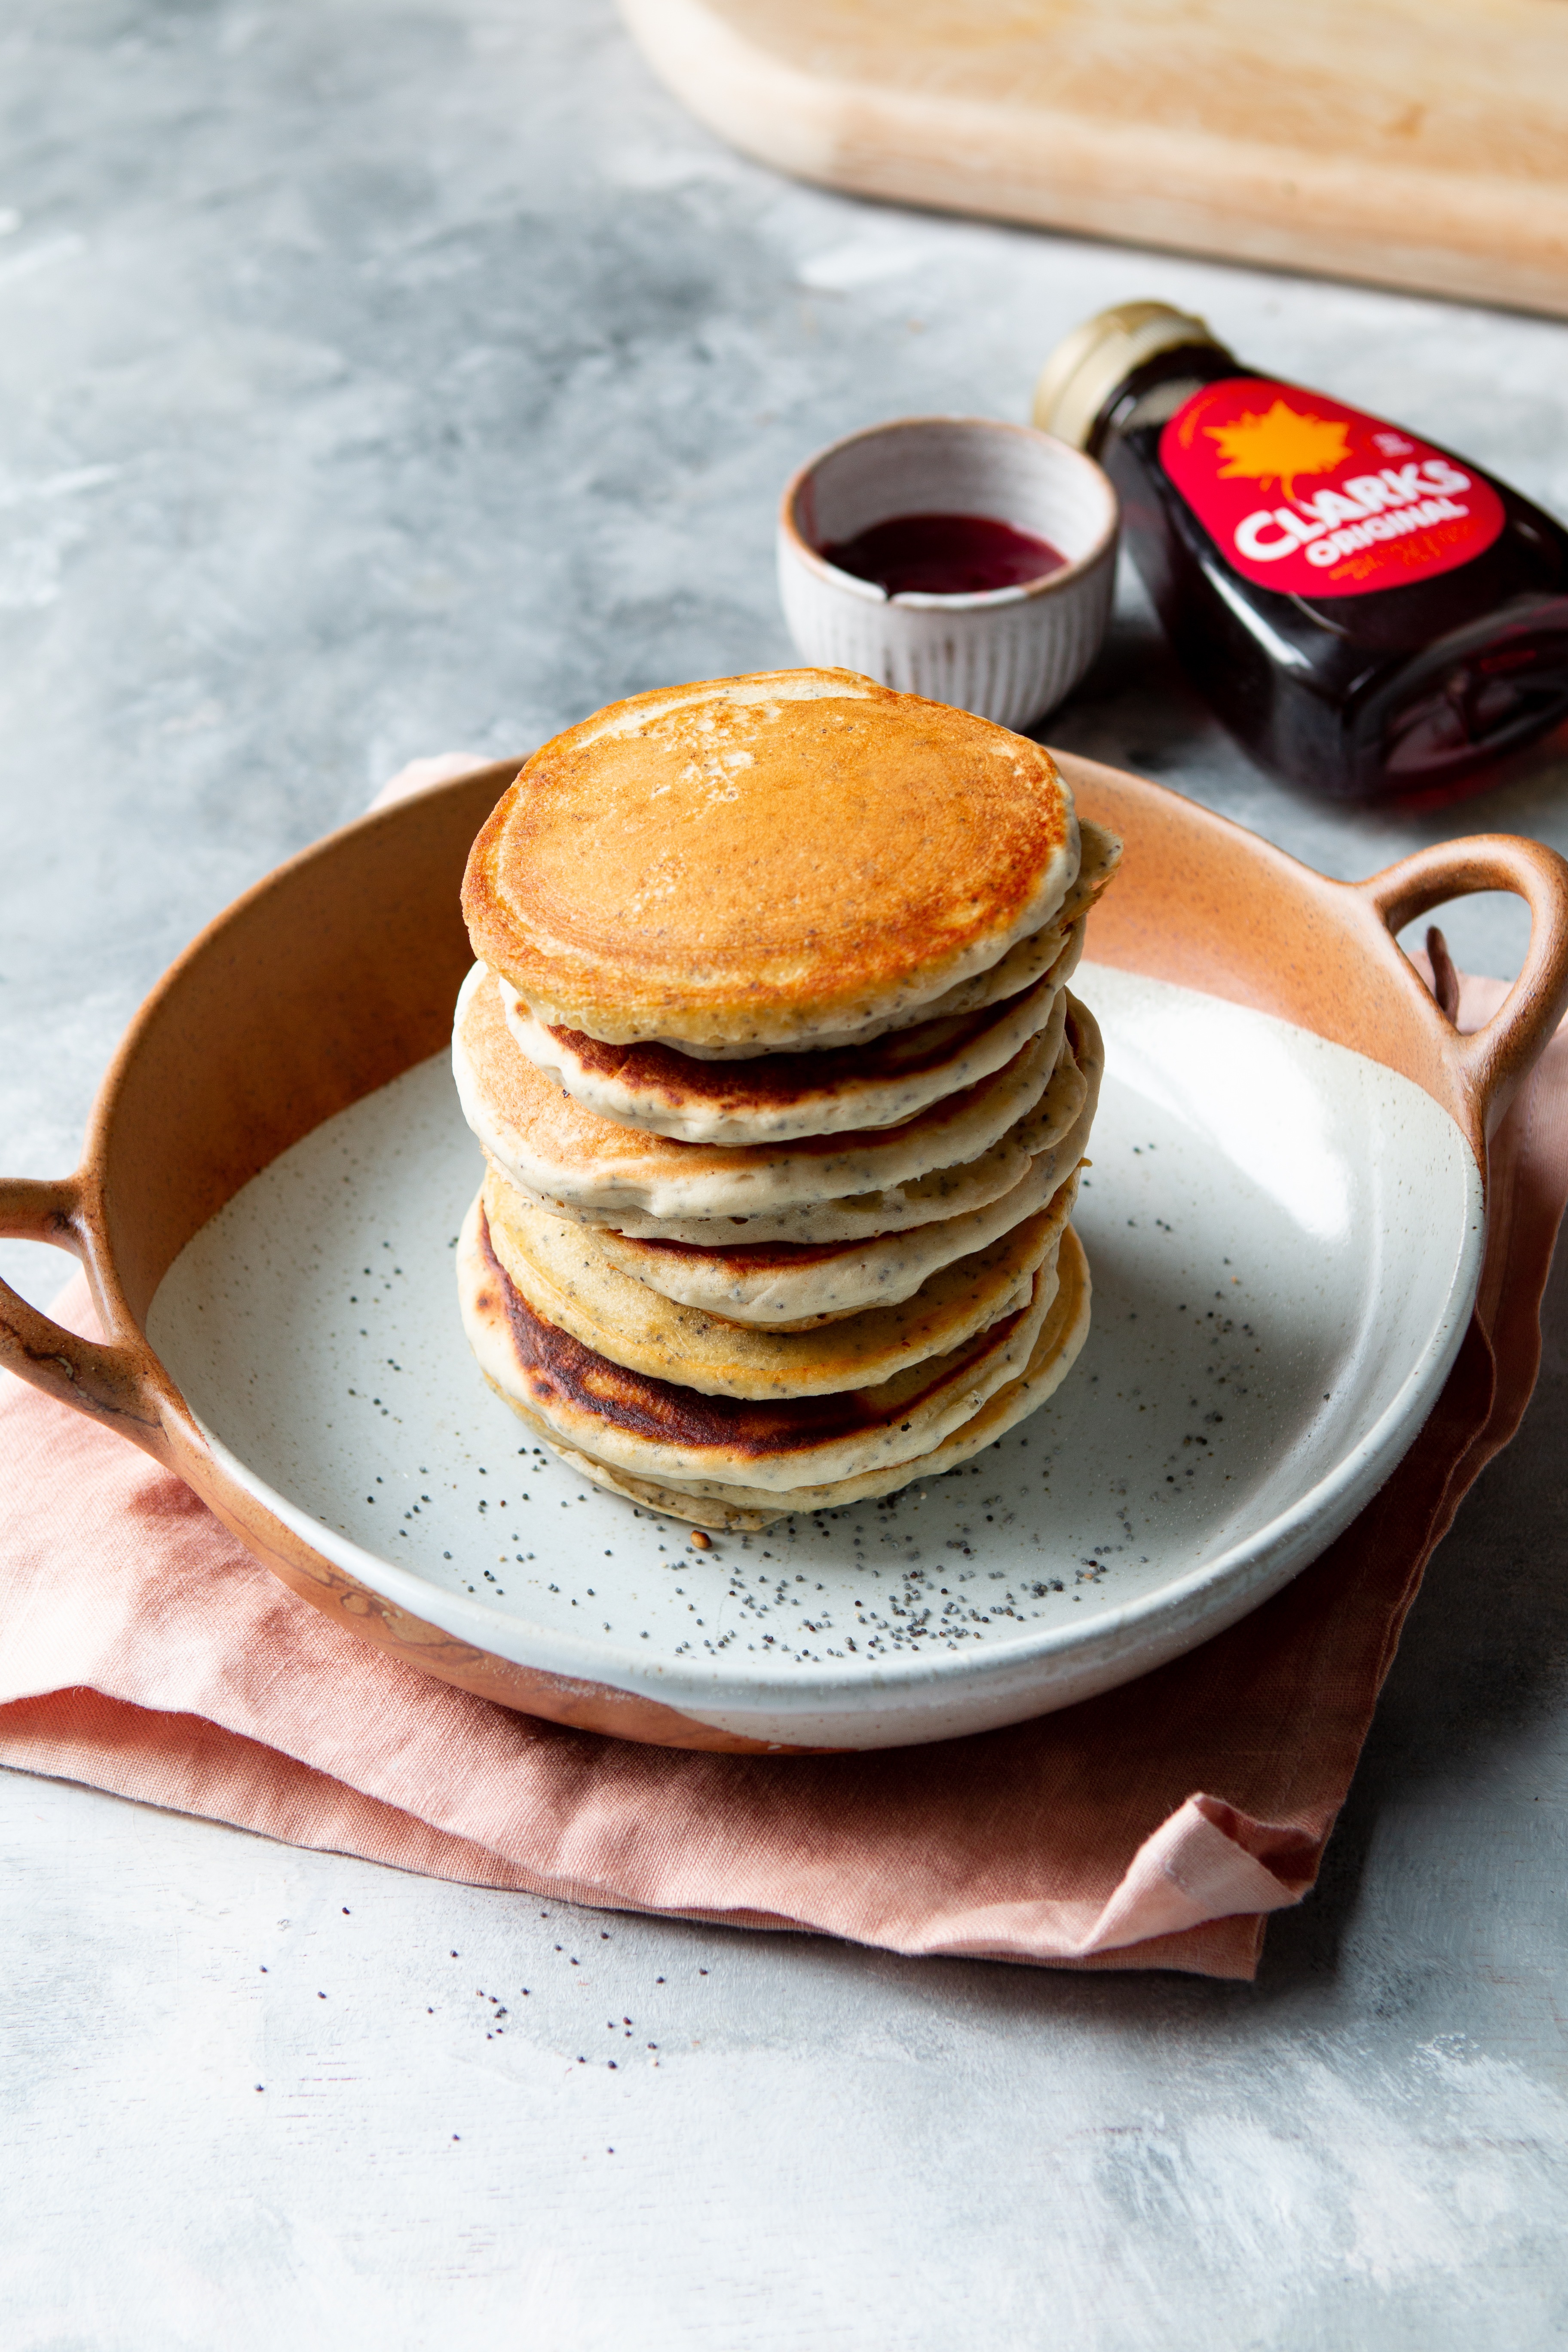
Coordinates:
1010 654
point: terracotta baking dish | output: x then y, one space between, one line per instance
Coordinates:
338 973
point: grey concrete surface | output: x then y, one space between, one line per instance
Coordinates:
376 380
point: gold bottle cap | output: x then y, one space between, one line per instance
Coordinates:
1086 366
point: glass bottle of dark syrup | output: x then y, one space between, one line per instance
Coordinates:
1372 617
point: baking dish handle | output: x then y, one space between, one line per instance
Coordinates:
118 1383
1494 1059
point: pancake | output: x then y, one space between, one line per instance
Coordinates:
661 1430
903 1208
1062 1335
782 1286
785 1284
1072 1096
945 1192
759 864
563 1274
774 1098
1056 949
572 1161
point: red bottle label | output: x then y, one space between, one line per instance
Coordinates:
1304 495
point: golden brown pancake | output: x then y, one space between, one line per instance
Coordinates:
567 1157
785 1286
774 1098
758 863
1069 1100
1056 949
945 1192
661 1430
1072 1097
564 1272
1062 1335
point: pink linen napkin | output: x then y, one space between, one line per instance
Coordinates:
143 1651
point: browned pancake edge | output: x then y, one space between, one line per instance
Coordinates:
555 1369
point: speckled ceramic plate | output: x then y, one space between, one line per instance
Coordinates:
1285 1235
1284 1239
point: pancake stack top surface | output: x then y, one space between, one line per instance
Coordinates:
781 1089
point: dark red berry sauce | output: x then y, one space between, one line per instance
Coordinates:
945 555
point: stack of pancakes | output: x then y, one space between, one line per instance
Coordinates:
782 1091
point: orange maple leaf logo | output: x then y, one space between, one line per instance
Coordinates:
1277 446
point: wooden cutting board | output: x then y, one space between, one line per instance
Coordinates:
1413 143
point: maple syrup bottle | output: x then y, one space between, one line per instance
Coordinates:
1372 616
